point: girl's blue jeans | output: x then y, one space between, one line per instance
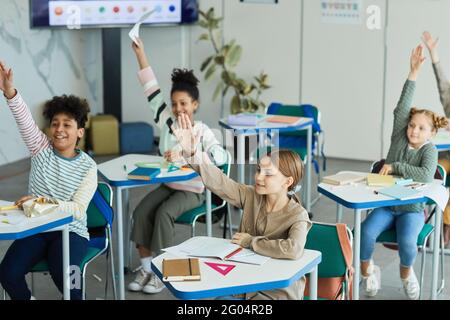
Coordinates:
407 226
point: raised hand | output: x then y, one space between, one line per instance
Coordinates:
185 135
172 156
431 44
139 50
6 81
416 61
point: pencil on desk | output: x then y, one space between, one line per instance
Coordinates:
5 208
233 253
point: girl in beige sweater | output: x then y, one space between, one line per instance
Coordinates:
274 223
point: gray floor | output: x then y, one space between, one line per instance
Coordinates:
13 184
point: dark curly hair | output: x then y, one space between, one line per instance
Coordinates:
71 105
184 80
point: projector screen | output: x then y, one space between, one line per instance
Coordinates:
110 13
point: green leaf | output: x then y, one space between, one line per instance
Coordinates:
204 24
203 36
214 23
249 89
210 71
206 63
210 13
235 105
219 60
218 90
234 55
203 14
245 104
241 85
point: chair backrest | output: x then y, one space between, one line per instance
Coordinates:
296 139
333 269
439 174
100 216
324 238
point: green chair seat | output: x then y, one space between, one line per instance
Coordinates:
42 266
390 236
190 216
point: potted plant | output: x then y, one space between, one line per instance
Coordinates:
246 96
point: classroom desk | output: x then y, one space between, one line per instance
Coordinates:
262 129
442 140
244 278
115 174
442 143
361 197
31 226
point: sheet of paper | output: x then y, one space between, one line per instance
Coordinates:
436 192
11 217
134 32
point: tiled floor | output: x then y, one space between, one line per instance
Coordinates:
13 184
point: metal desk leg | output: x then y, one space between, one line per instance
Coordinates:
120 243
241 161
125 214
241 158
339 213
308 168
436 248
356 248
313 283
208 214
66 263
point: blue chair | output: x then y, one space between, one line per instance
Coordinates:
389 237
219 208
99 221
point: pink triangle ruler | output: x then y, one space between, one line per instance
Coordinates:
223 269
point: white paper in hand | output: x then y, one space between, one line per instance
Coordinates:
134 32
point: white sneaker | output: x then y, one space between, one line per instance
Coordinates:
371 283
154 285
141 280
411 286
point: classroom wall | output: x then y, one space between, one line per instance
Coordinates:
45 63
407 20
272 45
339 68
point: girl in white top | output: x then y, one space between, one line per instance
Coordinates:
154 217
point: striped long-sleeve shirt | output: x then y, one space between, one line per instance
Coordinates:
163 119
70 181
418 164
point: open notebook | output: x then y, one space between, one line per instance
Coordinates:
209 247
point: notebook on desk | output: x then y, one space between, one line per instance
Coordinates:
209 247
282 119
343 178
143 173
398 192
181 269
378 180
